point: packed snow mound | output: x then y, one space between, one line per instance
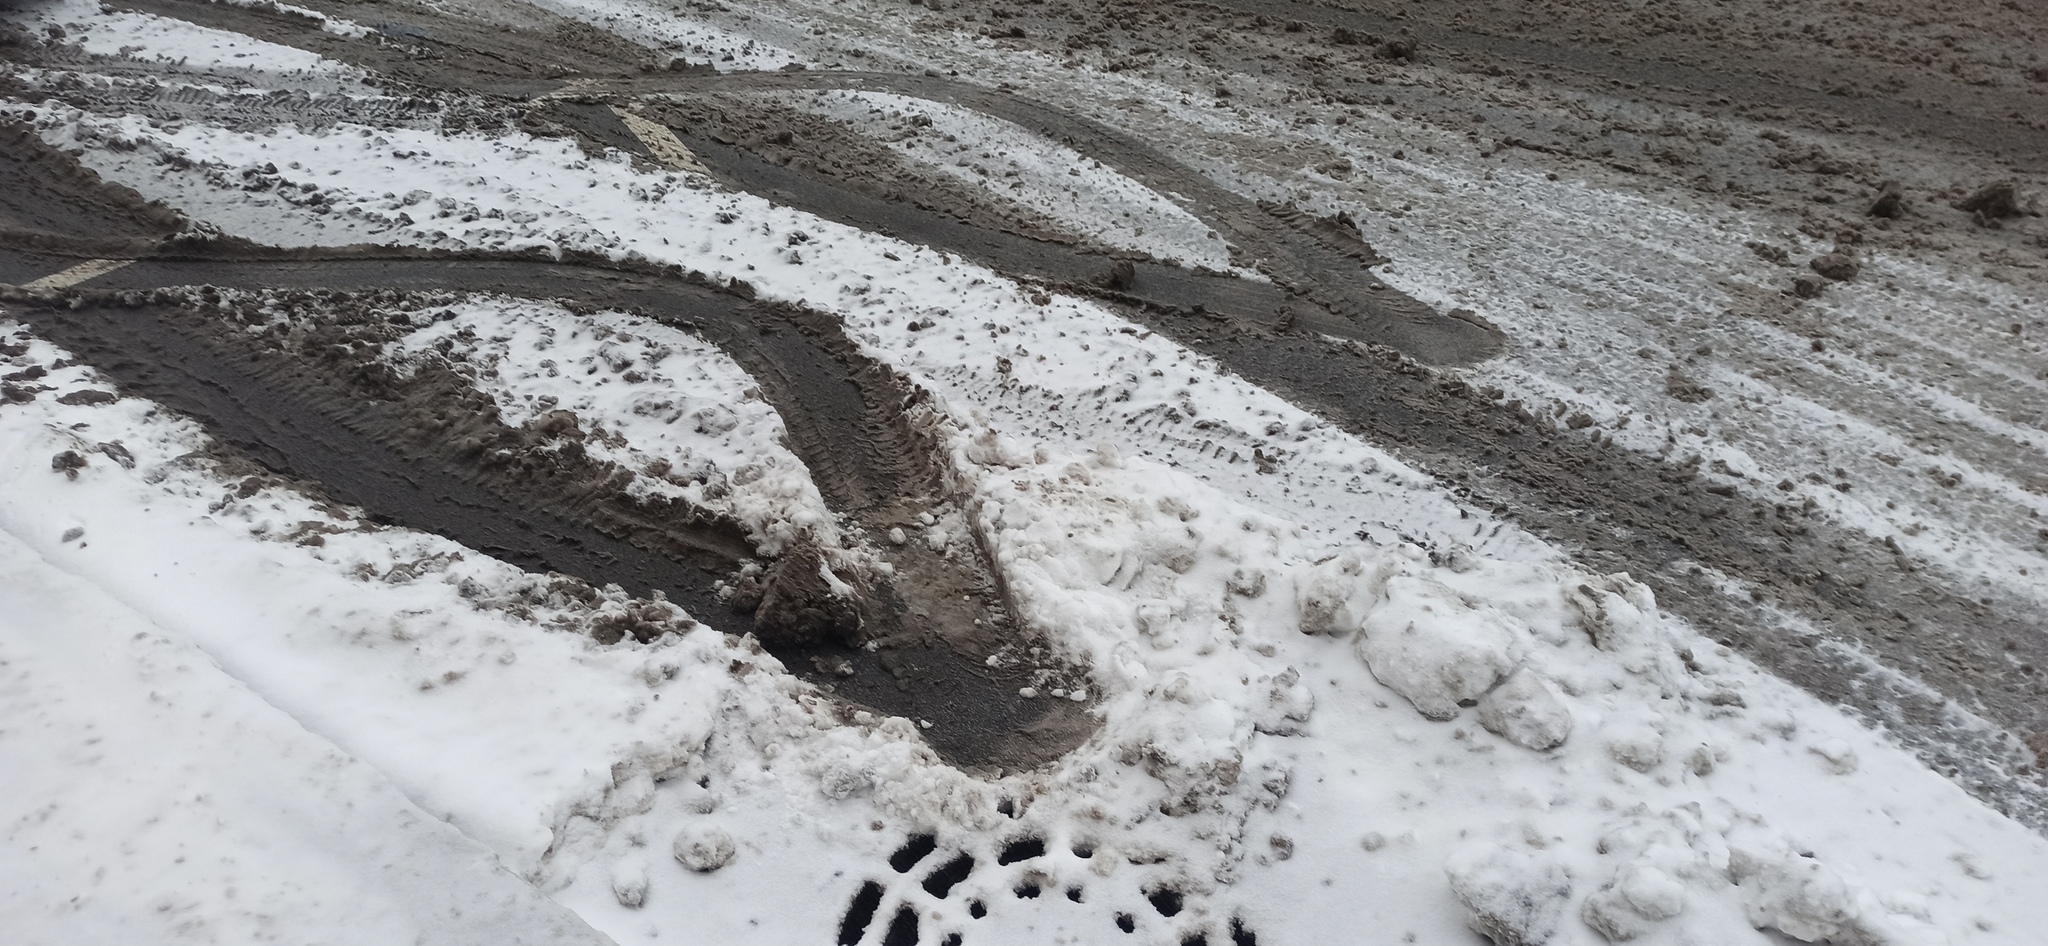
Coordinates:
703 848
1165 587
151 797
1332 596
1653 862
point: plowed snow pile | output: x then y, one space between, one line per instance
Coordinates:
237 710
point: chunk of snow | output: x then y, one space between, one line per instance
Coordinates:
1524 711
1513 897
1432 648
703 848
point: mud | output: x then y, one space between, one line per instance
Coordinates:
521 51
1325 268
1327 271
428 453
1688 50
1619 509
1816 64
49 202
851 160
313 409
1058 265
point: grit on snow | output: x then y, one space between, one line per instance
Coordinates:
238 711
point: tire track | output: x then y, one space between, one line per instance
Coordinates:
403 459
1321 263
1304 257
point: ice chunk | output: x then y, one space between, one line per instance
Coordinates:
1795 895
1791 892
1514 897
1435 650
1524 711
1612 608
1287 707
1620 615
1840 758
715 419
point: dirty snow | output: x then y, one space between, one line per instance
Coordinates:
1015 164
149 38
658 401
674 32
1309 727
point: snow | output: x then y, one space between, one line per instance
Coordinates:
150 38
474 688
1282 681
658 401
1024 167
328 24
1435 650
1524 710
152 797
1515 897
1076 368
688 38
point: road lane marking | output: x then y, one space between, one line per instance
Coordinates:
664 144
90 269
